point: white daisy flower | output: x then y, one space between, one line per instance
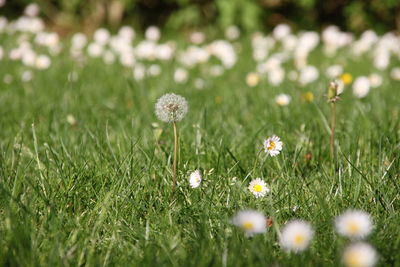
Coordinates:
171 108
195 179
273 146
360 255
251 221
361 87
258 188
296 236
354 224
283 99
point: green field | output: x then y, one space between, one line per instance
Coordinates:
97 192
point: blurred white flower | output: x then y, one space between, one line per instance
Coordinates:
127 33
308 75
276 76
334 71
273 145
361 87
108 57
32 10
258 187
27 76
355 224
139 72
101 36
197 37
195 179
42 62
199 83
95 49
296 236
251 221
281 31
180 75
359 255
2 3
232 32
152 33
283 99
375 80
154 70
78 41
252 79
395 73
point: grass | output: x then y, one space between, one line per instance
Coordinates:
98 193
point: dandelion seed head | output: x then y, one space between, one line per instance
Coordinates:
171 108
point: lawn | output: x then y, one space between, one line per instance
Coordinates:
85 166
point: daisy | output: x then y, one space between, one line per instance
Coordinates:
251 221
359 255
283 99
195 179
296 236
361 87
273 146
354 224
258 188
252 79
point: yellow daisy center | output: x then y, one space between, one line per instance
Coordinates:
353 260
257 188
248 225
353 227
272 145
298 239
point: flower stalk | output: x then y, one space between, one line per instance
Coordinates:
333 97
175 156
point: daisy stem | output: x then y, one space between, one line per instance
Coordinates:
333 126
175 156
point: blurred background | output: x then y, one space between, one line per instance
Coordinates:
66 16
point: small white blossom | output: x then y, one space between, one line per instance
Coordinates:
258 188
361 87
195 179
273 146
296 236
354 224
359 255
283 99
251 221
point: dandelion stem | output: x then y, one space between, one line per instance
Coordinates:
175 156
333 126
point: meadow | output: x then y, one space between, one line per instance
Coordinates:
85 165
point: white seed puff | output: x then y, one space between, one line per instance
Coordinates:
171 108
